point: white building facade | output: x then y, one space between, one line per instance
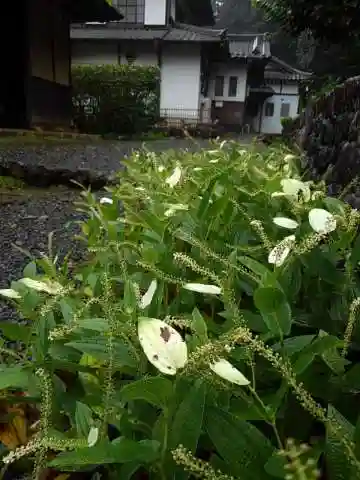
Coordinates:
206 75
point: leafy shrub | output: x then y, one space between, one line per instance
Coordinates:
199 337
115 98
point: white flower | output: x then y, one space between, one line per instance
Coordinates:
162 344
161 168
10 293
106 200
285 222
293 187
278 254
202 288
175 208
148 296
52 288
93 436
174 178
322 221
289 157
228 372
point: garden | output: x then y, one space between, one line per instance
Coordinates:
211 331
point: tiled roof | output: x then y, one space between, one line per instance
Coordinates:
249 45
278 69
121 31
189 33
115 31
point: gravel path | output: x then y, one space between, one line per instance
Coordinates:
103 157
27 218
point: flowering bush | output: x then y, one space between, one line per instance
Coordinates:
211 333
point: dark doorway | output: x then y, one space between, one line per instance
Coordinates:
14 60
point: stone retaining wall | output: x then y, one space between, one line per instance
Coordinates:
330 138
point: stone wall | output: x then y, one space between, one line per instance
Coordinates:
330 138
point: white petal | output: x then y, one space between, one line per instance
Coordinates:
93 436
175 208
293 187
228 372
278 254
279 194
289 157
106 200
285 222
10 293
148 296
203 288
162 344
322 221
52 288
175 178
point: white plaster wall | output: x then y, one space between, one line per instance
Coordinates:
107 53
93 53
228 71
155 12
180 81
272 125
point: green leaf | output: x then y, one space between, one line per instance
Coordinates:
244 448
338 464
99 349
187 423
199 325
255 266
274 308
14 377
97 324
155 390
83 419
276 465
123 451
15 332
30 270
317 347
127 471
294 345
186 426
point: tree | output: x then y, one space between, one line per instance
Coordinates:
195 12
335 21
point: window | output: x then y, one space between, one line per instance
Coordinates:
133 10
269 109
285 110
232 86
219 86
130 57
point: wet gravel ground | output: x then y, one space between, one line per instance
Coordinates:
104 157
26 218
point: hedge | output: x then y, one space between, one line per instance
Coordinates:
120 99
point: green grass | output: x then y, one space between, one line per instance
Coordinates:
10 183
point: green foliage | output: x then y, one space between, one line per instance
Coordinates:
332 20
120 99
258 328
